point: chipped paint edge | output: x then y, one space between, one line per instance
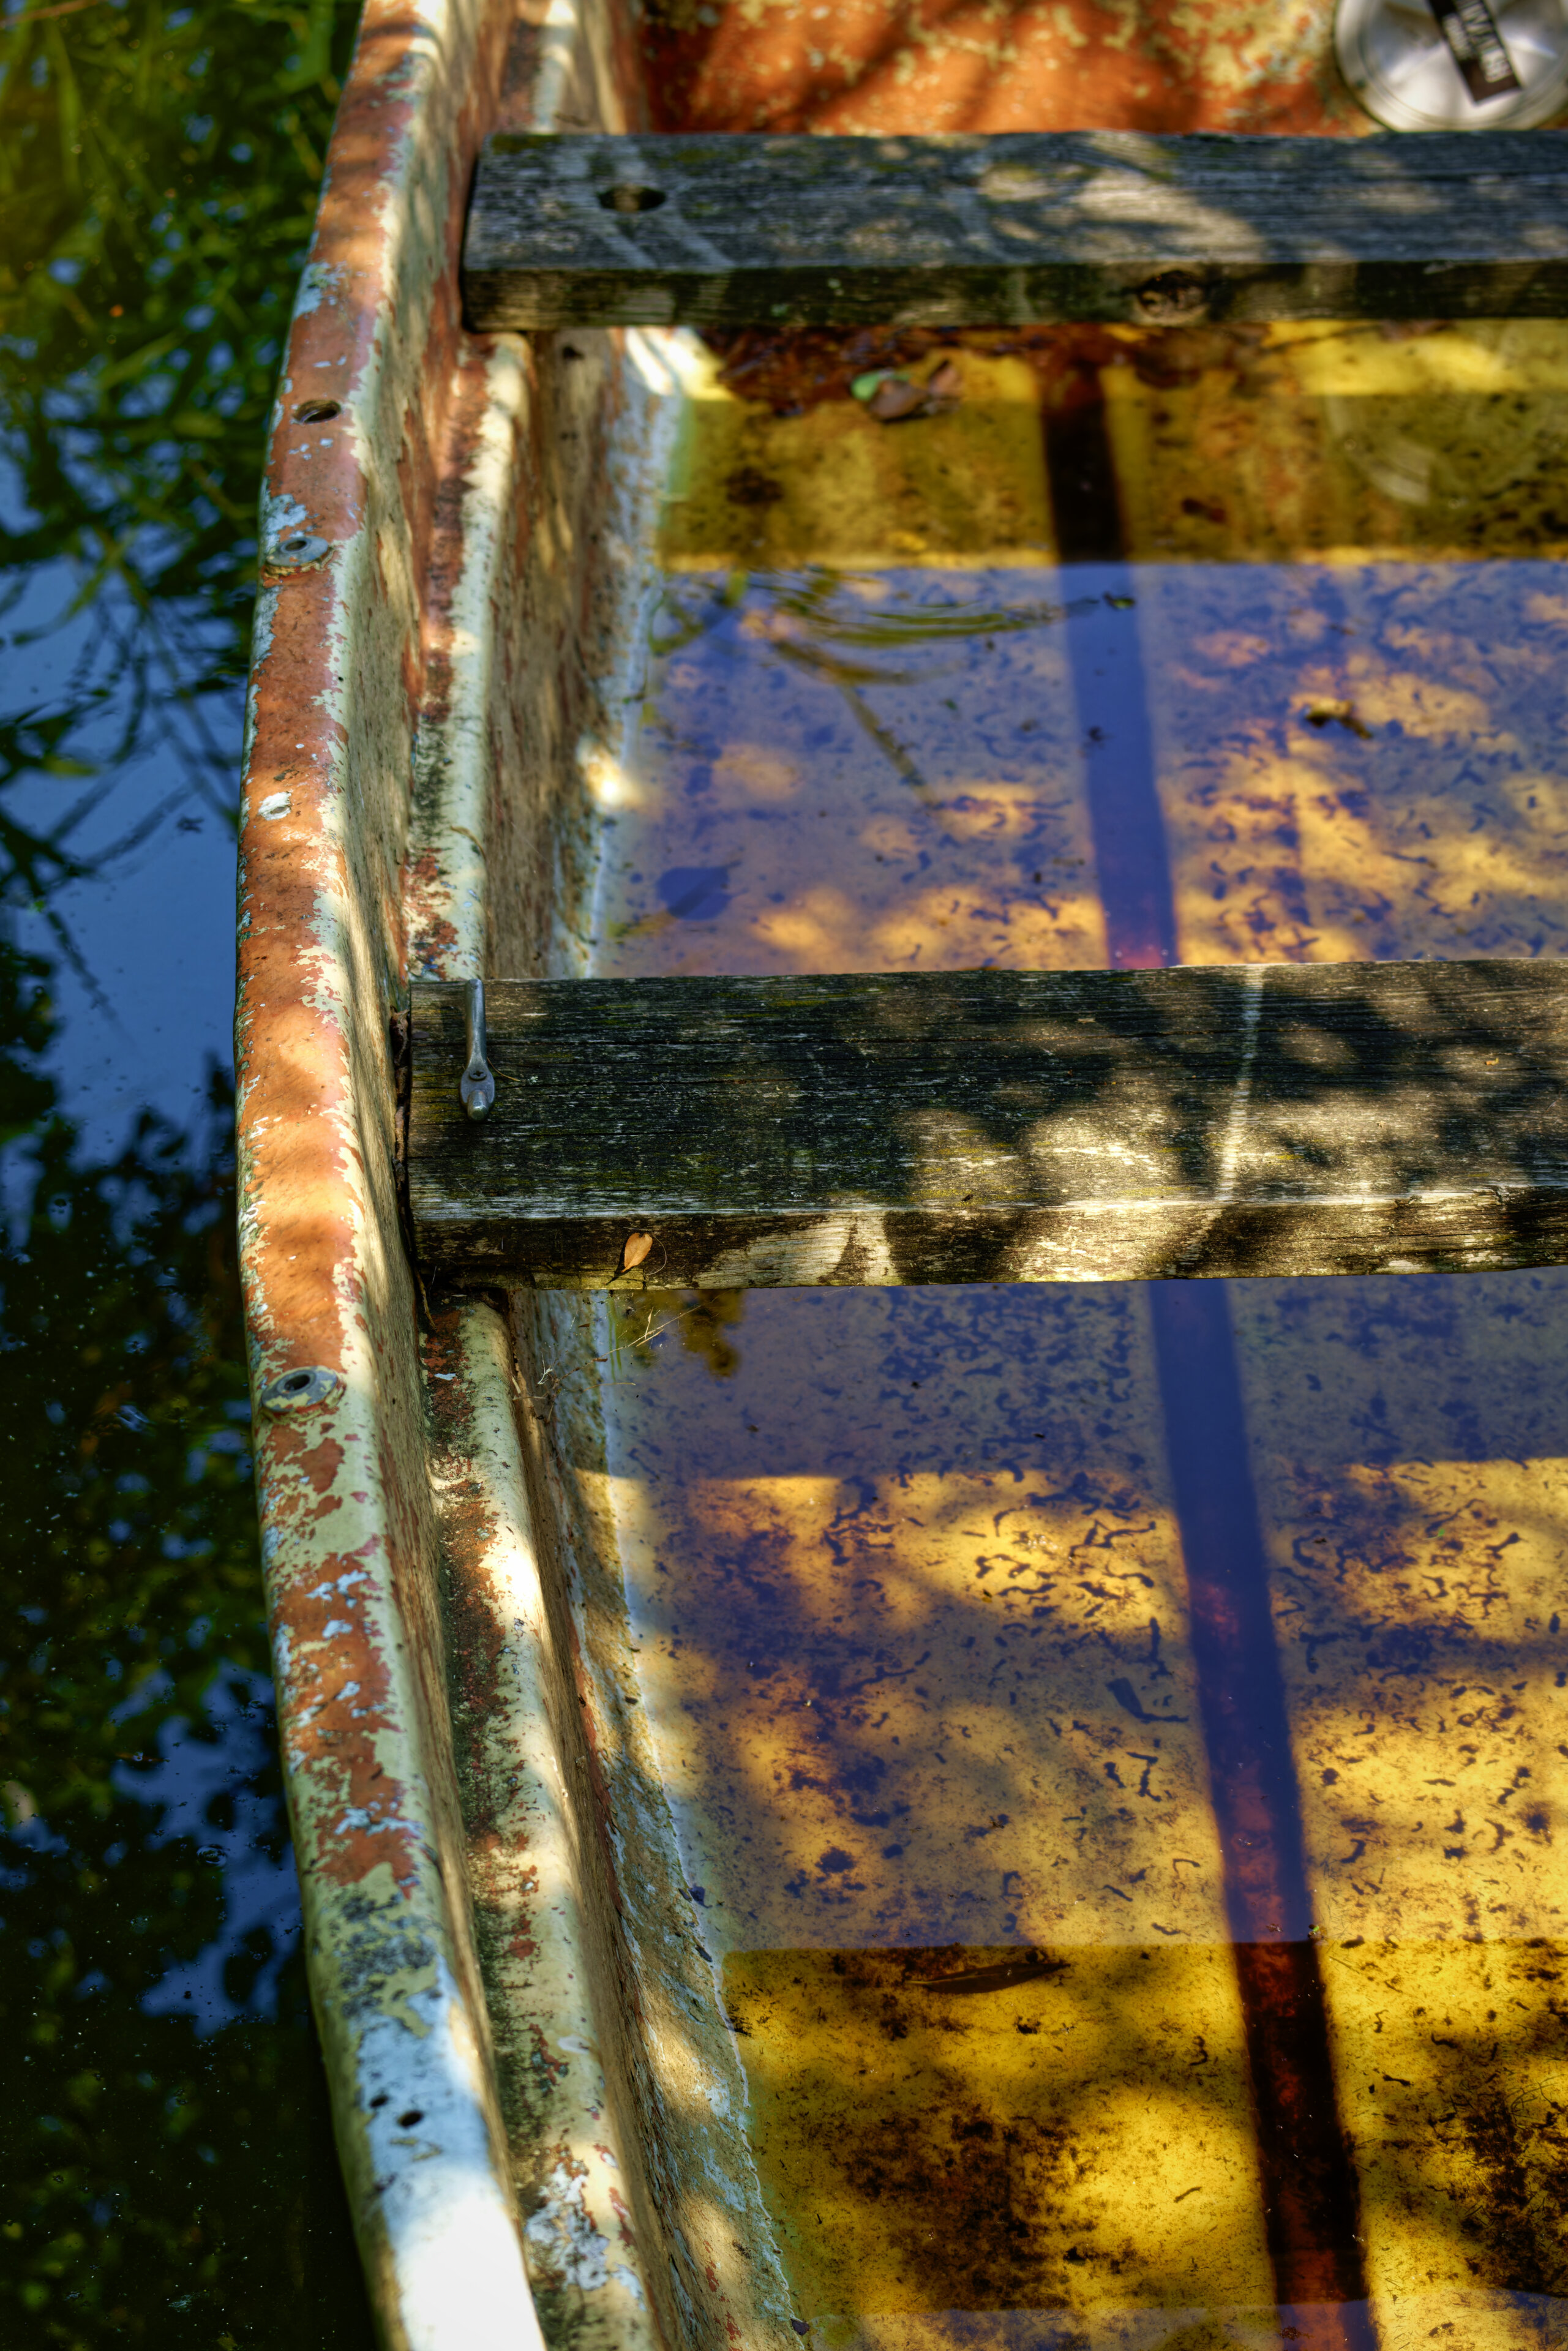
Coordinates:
349 1537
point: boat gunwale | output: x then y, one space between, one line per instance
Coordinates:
395 403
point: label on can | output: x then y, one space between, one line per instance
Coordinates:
1472 32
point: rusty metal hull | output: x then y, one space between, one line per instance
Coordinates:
421 489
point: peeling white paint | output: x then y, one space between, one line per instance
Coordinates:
560 44
451 917
461 2267
562 2237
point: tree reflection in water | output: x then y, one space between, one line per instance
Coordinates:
168 2173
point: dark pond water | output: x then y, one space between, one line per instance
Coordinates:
169 2174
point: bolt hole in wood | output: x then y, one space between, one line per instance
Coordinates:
1114 1728
631 198
1112 1733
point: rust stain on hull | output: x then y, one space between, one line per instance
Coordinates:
349 1530
889 66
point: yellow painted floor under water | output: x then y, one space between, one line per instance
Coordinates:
905 1567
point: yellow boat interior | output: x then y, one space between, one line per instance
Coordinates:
998 1818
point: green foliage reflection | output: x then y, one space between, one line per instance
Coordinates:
157 2186
167 2170
158 172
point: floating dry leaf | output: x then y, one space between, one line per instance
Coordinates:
1341 714
893 398
890 397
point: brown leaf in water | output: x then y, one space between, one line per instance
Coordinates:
1341 714
748 486
894 397
946 385
638 1247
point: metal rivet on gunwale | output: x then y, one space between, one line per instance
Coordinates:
301 1390
296 551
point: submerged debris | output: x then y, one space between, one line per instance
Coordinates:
1341 714
891 396
792 368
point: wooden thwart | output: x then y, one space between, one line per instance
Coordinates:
996 1126
737 231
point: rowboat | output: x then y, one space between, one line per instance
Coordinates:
869 1762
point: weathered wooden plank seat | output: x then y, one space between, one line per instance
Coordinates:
996 1126
731 231
1002 1125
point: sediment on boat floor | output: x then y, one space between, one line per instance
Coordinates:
1111 1736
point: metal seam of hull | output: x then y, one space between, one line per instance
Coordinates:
571 2160
619 2078
448 893
620 1953
575 2174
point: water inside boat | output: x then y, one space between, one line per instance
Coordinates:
1112 1733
